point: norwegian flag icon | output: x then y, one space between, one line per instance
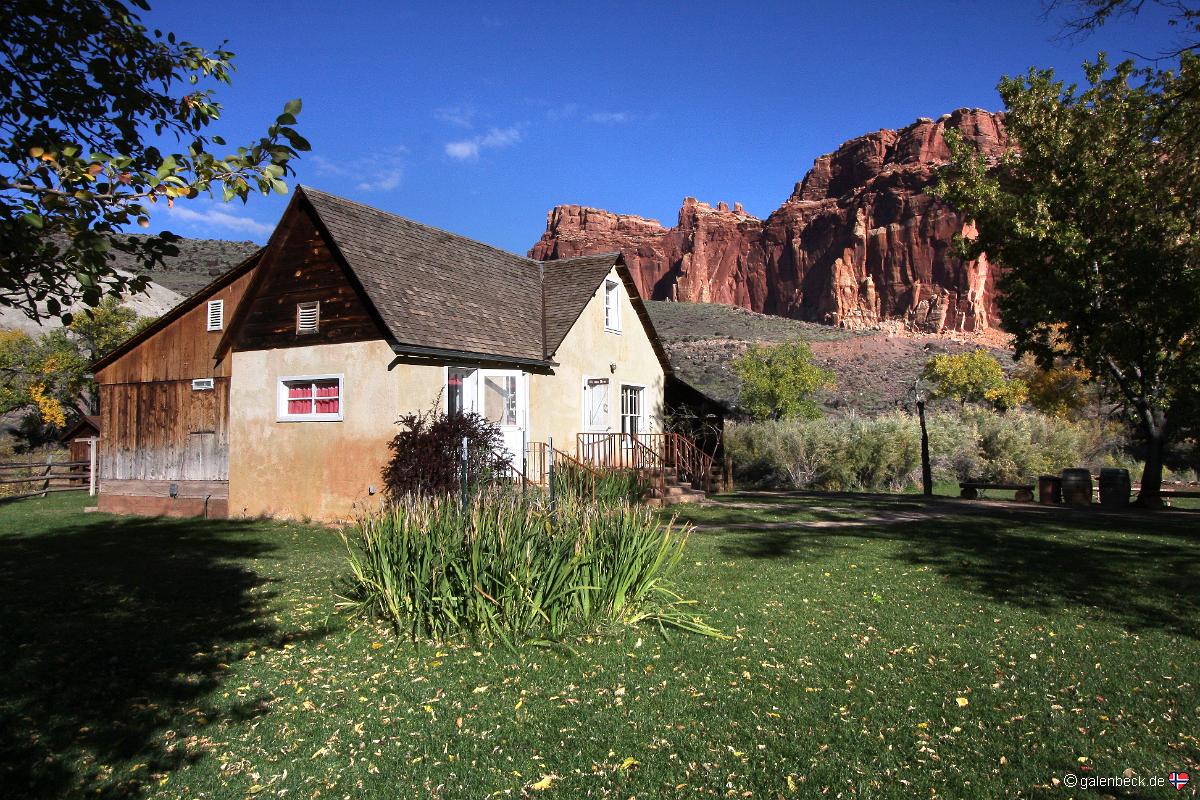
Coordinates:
1178 779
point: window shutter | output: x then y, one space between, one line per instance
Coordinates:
216 315
308 317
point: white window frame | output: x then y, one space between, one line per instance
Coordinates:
643 412
281 410
300 307
216 308
612 305
470 398
586 425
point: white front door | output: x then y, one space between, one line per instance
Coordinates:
503 402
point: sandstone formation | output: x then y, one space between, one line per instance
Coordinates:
857 244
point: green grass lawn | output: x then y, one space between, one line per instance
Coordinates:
881 647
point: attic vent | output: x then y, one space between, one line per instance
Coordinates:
216 315
308 316
202 384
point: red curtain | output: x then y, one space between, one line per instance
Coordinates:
328 401
300 398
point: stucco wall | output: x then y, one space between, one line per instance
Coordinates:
556 402
317 469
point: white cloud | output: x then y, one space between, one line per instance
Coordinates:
494 139
324 166
466 150
383 182
565 111
458 116
610 117
218 218
365 172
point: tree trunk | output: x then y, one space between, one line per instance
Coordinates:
926 469
1154 428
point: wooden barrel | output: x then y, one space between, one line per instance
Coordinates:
1077 487
1049 489
1114 487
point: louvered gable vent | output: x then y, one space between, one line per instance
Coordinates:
216 315
308 317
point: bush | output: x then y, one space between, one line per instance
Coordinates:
884 453
778 381
427 454
512 567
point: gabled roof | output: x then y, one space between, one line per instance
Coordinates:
435 289
188 303
436 293
567 286
444 293
81 424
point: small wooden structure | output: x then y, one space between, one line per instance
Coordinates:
79 437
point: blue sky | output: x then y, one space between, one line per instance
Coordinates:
479 117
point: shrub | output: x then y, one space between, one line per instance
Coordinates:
510 566
778 381
427 453
884 453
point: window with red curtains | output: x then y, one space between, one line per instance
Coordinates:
313 397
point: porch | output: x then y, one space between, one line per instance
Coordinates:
672 466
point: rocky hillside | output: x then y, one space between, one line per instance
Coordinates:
857 243
874 369
198 262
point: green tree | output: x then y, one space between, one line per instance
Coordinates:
50 373
778 381
1093 216
83 88
974 377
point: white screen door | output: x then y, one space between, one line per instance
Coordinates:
503 403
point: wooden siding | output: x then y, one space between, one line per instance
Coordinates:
184 348
302 269
164 430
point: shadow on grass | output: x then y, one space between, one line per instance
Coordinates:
113 633
1143 569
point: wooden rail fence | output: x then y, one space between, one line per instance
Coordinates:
32 478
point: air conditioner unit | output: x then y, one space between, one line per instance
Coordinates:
202 384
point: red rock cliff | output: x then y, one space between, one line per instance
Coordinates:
857 243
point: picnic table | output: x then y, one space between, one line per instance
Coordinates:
970 490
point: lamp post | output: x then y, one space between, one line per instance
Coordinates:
926 469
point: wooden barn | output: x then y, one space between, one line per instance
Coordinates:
164 409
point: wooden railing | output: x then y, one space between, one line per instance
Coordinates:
648 452
33 478
540 456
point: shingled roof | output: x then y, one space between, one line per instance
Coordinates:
435 290
567 286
